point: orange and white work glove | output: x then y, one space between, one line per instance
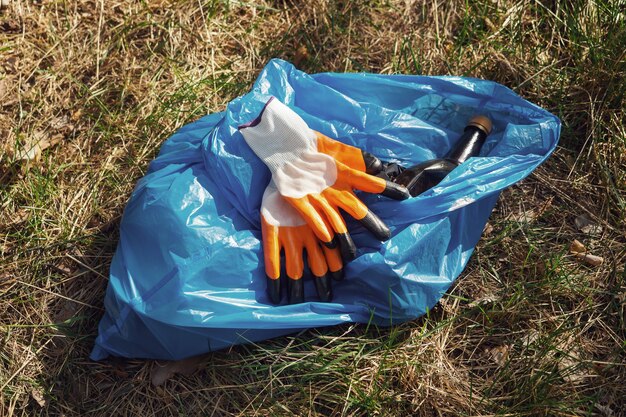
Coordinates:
284 229
315 183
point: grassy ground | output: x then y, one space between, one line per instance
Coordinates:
92 88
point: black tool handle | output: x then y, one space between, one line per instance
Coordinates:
428 174
471 141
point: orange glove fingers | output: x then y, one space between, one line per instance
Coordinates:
349 155
346 200
291 238
271 249
321 203
361 181
335 265
315 256
271 255
293 241
319 268
330 212
310 214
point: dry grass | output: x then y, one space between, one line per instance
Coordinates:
527 330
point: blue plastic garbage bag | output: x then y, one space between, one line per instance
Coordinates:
188 274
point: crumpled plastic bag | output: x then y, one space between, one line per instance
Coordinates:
188 276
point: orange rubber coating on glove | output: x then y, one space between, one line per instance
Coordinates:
292 244
359 180
346 154
318 210
309 208
333 258
294 240
344 198
271 249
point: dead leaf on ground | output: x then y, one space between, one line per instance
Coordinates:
62 268
67 310
77 115
587 226
3 88
500 354
487 299
302 54
523 216
59 123
38 396
526 216
605 410
530 337
162 372
570 367
31 149
529 216
6 98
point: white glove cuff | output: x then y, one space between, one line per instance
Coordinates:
278 135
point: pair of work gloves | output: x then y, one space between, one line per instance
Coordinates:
313 177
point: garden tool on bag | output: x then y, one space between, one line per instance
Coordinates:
428 174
